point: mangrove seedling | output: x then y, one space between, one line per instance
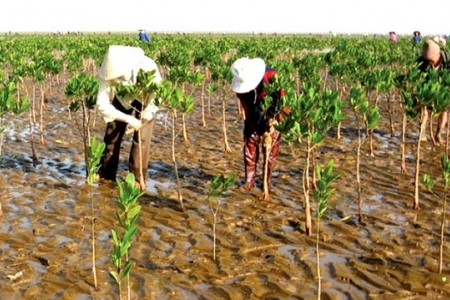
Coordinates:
430 182
322 192
92 165
217 190
122 237
370 115
95 153
82 89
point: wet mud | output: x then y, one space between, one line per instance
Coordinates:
262 249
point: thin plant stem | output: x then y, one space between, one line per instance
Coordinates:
441 246
1 134
268 147
319 276
214 211
403 144
224 125
183 122
416 178
141 171
203 104
33 106
41 117
94 269
180 197
128 281
33 150
358 172
306 188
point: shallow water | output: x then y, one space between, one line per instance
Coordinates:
262 249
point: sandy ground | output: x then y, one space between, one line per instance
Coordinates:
262 249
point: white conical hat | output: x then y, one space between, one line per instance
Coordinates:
247 74
121 61
431 51
440 40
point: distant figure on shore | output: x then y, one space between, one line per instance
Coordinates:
143 36
393 36
434 58
417 37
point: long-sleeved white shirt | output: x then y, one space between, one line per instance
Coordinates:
117 67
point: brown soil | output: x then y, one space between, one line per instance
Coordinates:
262 249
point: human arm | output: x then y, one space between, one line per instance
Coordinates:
108 111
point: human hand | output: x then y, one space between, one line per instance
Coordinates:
134 123
272 122
147 116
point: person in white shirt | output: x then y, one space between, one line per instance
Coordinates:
121 64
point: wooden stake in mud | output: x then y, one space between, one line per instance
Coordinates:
417 171
268 143
267 140
227 148
141 175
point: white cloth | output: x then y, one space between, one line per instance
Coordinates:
122 64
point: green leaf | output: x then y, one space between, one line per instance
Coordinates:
134 212
115 237
115 276
129 234
126 270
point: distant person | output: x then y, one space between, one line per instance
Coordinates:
393 36
417 37
143 36
251 77
122 64
433 57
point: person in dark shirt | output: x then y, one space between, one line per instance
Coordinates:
417 38
433 57
143 36
251 77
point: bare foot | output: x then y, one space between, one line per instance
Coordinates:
248 186
265 197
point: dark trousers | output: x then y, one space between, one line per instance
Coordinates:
115 131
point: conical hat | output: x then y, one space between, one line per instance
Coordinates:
247 74
120 61
431 51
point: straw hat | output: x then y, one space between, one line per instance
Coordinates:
247 74
439 40
122 62
431 51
